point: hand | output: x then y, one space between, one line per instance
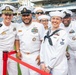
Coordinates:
19 55
47 70
38 59
43 67
67 55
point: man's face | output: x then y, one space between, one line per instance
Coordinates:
44 22
27 19
66 21
7 18
56 20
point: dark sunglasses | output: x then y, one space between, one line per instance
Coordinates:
8 14
39 13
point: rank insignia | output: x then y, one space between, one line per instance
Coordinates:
14 29
62 43
3 33
24 9
72 31
19 30
7 8
57 34
34 39
34 30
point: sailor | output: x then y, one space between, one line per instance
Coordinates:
44 19
7 38
30 35
52 54
38 11
70 27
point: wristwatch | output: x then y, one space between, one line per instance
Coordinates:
17 51
49 68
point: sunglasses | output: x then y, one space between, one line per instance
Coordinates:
39 13
8 14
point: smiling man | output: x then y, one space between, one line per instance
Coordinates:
30 34
53 48
7 38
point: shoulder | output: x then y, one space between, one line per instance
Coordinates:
39 25
14 25
62 31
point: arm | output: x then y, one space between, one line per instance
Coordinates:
18 49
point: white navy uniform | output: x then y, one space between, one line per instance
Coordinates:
7 39
30 40
71 30
53 56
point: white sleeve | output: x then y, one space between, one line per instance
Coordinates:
41 32
42 53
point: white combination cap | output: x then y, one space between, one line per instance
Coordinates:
25 10
44 17
8 9
39 8
57 13
24 7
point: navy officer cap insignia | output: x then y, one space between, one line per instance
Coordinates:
7 8
24 9
0 25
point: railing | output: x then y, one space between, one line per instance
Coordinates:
7 55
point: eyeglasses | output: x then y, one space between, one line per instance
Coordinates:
8 14
39 13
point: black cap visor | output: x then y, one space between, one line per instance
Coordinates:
67 15
27 12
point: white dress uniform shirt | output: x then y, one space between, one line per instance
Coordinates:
30 36
71 30
7 37
54 55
